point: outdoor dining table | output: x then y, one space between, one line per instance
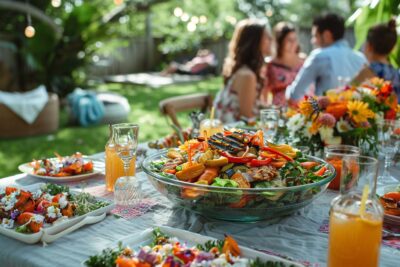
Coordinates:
302 236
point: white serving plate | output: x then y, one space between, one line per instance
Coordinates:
28 169
49 233
191 239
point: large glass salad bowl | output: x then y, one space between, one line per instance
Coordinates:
236 204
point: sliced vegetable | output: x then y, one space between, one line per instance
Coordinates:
233 159
190 173
209 175
222 161
321 171
283 155
259 162
309 164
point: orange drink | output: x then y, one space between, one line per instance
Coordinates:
354 240
115 167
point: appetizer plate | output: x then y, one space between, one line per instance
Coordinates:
28 169
391 222
49 233
192 239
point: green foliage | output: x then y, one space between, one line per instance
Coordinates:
216 19
60 61
372 13
89 140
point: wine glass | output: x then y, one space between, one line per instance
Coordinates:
126 189
389 142
269 119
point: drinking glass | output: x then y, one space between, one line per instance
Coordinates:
334 154
126 189
210 127
269 119
355 232
389 142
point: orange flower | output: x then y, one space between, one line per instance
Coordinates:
315 125
306 108
391 101
337 109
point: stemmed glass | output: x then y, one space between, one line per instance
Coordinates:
269 119
126 189
389 142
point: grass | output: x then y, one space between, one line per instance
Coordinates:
89 140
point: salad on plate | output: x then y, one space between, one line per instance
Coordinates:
29 211
62 166
168 251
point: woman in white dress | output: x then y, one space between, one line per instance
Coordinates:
239 99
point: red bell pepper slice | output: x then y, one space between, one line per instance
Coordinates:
233 159
265 148
260 162
321 171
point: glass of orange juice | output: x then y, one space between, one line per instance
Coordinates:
210 127
334 155
355 229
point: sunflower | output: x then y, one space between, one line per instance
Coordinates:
359 111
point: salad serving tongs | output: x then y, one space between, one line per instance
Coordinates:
48 238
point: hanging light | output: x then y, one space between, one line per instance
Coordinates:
29 29
118 2
56 3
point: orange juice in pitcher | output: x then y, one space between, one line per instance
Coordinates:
114 164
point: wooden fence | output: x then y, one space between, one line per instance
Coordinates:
142 55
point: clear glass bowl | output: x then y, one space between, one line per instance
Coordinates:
236 204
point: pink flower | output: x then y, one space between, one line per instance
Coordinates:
365 124
327 119
323 102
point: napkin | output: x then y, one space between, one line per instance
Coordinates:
27 105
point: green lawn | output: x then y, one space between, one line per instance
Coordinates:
144 111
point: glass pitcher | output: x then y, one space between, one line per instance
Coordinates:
114 164
355 236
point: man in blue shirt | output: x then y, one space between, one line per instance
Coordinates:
326 64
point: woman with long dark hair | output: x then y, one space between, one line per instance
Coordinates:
285 65
242 72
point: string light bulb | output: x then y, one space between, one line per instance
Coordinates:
118 2
56 3
29 29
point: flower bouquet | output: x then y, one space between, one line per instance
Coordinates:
343 116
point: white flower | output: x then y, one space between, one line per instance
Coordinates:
325 133
356 96
296 122
343 126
